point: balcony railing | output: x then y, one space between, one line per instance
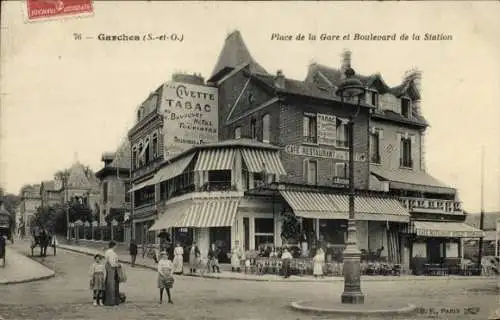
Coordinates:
405 163
343 143
217 186
432 205
310 139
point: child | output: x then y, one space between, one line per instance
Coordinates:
165 279
97 279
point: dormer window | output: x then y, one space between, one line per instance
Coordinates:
374 97
406 107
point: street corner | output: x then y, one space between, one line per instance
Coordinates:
21 269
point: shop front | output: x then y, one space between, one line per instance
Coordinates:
436 246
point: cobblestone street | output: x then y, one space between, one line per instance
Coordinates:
66 296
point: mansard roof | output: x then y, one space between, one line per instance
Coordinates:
234 53
122 156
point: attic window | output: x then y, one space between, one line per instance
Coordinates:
374 101
406 107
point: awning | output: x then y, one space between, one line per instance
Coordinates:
199 214
412 180
173 169
445 229
215 159
257 159
336 206
143 184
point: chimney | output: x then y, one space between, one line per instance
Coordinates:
346 60
415 75
279 80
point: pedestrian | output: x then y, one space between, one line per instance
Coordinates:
213 257
97 279
318 263
194 258
133 252
165 278
178 259
236 255
164 240
286 258
112 290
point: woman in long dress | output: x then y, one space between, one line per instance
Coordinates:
178 259
236 254
318 263
112 291
194 258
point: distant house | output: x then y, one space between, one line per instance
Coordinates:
489 227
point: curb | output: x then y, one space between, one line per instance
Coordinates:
410 308
52 275
301 280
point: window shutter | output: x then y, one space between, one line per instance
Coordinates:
413 139
381 134
305 170
305 126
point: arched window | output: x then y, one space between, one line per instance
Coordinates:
154 146
266 128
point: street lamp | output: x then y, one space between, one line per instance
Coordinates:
351 89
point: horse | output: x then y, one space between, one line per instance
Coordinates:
41 239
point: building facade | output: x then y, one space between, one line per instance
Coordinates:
30 201
115 198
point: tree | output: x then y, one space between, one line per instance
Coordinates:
290 228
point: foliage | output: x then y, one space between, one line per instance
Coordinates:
10 201
291 228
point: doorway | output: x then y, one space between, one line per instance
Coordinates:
434 250
221 236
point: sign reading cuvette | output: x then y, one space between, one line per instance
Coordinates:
190 115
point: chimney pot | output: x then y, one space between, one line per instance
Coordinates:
279 80
346 59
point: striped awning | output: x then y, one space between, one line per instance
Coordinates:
199 214
143 184
260 160
445 229
336 206
173 169
215 159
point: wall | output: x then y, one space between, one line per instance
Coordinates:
291 118
390 145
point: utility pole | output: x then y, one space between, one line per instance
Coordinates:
481 219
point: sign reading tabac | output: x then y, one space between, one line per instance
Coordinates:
190 115
327 129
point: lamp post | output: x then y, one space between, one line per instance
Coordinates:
351 89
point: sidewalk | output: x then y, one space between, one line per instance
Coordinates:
19 269
227 274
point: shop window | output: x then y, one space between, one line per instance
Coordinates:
309 126
264 232
266 128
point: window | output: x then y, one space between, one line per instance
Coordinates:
237 133
127 193
375 147
253 129
312 172
246 231
266 128
342 170
264 232
146 152
310 128
140 156
342 133
374 99
219 180
406 107
154 146
405 156
105 192
134 157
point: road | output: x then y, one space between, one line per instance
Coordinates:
66 296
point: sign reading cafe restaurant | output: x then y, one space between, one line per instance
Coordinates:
190 115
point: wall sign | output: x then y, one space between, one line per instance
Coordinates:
316 152
326 129
190 115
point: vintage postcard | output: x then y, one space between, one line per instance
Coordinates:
249 160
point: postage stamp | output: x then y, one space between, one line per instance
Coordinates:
50 9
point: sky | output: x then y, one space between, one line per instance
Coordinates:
64 99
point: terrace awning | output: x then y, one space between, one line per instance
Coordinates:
260 160
149 182
215 159
173 169
336 206
445 229
199 214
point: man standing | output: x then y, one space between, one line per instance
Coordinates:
133 252
286 258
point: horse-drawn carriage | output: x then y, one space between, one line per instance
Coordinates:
5 233
41 237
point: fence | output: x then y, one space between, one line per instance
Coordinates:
99 233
